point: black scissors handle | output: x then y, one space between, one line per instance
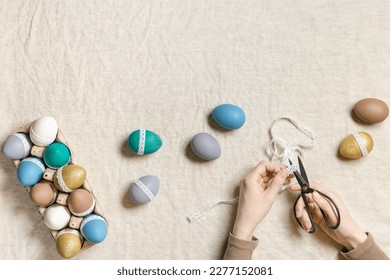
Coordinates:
330 200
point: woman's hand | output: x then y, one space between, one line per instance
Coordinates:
348 233
258 191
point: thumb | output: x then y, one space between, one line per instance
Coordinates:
276 183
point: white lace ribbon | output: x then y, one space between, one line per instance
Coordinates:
141 143
361 143
281 151
145 189
26 144
61 181
201 211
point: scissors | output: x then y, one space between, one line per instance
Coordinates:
306 189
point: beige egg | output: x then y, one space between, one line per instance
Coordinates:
69 242
81 202
69 178
43 194
371 110
356 145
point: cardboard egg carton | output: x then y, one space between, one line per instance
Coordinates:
62 197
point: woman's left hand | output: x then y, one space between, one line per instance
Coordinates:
258 190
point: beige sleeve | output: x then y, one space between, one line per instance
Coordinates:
368 250
238 249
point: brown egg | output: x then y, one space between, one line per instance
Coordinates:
356 145
43 194
69 178
81 202
69 242
371 110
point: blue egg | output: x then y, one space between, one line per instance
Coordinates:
30 171
94 228
229 116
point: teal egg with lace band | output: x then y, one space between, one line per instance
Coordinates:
143 142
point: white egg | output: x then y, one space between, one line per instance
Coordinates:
44 131
57 217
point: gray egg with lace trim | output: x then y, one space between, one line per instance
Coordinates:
17 146
144 189
205 146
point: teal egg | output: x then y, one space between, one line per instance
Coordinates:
229 116
56 155
143 141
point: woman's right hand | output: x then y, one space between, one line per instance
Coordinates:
348 233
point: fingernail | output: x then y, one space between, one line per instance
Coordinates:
316 195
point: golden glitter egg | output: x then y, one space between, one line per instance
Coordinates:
69 178
69 242
356 145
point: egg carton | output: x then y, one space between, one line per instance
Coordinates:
62 197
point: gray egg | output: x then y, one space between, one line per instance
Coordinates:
144 189
205 146
17 146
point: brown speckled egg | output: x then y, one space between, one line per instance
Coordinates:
81 202
69 178
43 194
371 110
350 147
69 242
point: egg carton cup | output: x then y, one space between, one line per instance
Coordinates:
62 198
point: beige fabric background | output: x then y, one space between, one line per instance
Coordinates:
106 68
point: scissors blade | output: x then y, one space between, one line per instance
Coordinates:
301 181
302 171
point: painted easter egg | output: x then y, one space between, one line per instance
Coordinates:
356 145
144 189
143 141
205 146
69 178
56 155
30 171
81 202
371 110
94 228
44 131
56 217
69 242
17 146
229 116
43 194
